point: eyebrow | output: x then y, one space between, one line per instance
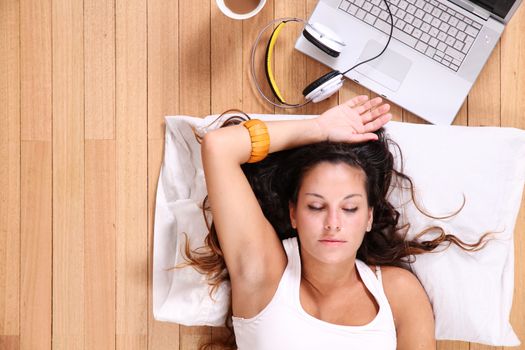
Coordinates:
349 196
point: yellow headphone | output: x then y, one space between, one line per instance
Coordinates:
321 37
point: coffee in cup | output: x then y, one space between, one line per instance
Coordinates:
240 9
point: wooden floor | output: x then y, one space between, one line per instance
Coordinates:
84 86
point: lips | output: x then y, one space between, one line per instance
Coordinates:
332 242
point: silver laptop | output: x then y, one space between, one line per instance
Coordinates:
436 53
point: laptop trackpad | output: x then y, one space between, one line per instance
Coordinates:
389 69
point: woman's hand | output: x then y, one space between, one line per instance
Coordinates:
355 120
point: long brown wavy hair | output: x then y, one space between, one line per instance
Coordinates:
276 182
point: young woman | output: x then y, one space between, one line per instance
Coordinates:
303 234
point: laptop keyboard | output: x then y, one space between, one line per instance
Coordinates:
430 27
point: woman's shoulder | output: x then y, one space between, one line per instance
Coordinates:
397 281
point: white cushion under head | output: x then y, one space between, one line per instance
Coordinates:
326 36
471 293
326 89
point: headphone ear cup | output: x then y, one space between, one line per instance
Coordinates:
324 87
323 38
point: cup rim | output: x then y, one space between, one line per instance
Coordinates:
229 13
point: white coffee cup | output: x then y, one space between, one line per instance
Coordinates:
228 12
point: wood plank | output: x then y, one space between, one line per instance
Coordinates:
68 175
452 345
226 62
35 69
290 66
9 342
163 99
513 72
131 189
512 107
36 244
99 46
476 346
194 57
99 242
252 102
9 173
195 98
163 64
484 100
161 335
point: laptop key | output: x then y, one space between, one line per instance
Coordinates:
417 23
417 33
453 21
441 46
458 45
444 27
408 29
444 17
370 18
433 42
419 13
433 32
425 27
456 62
420 3
425 37
461 26
375 11
454 53
376 2
461 36
344 5
359 3
422 47
427 17
403 5
360 14
440 54
352 9
409 18
452 31
472 31
384 15
450 40
467 20
436 22
411 9
430 51
367 6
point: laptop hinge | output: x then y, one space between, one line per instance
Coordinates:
476 10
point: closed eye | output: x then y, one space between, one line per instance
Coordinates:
311 207
350 210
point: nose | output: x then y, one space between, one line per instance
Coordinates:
332 221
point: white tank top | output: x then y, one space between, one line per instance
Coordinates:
284 324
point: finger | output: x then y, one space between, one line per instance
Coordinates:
375 113
356 101
357 138
377 123
368 105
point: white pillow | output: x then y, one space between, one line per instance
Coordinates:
471 293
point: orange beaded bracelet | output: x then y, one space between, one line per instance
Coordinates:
260 139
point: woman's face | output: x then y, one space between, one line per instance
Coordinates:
332 213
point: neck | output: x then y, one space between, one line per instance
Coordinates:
328 278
